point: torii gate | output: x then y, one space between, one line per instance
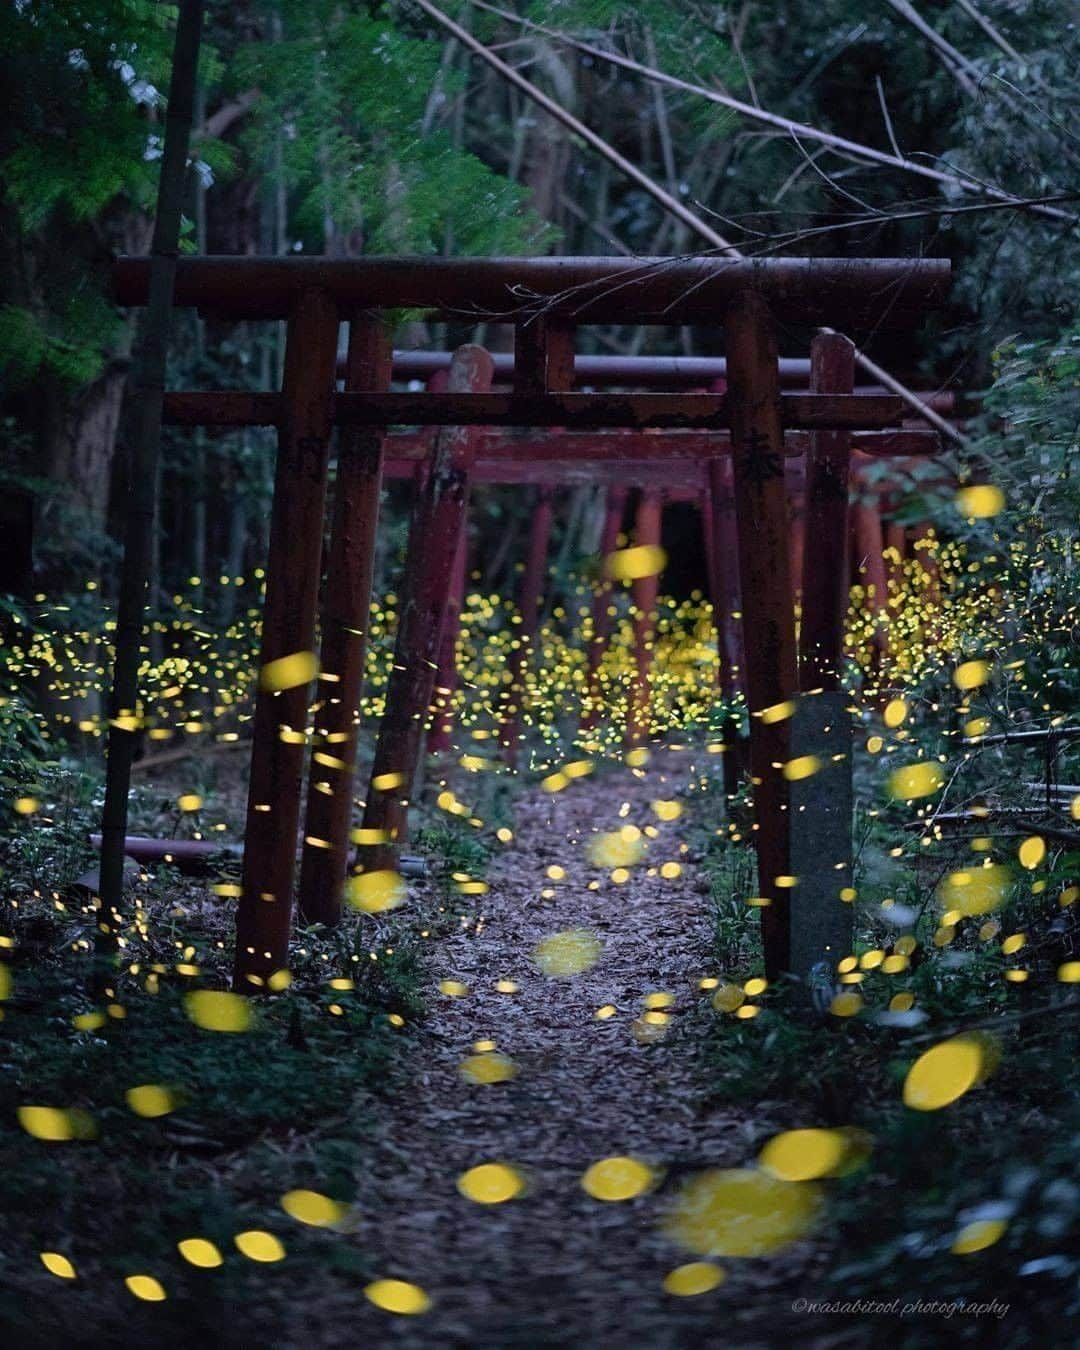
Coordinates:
545 298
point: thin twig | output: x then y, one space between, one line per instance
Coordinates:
909 163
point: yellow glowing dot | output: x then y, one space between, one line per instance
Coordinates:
896 710
1069 972
453 988
755 986
977 1236
915 780
25 806
397 1296
667 810
902 1002
1017 976
698 1277
616 849
630 564
57 1265
81 1022
555 872
375 892
503 835
491 1183
659 1000
619 1178
55 1125
506 986
848 894
487 1068
942 1074
555 782
872 959
190 801
977 890
747 1011
288 672
805 766
980 501
1032 851
637 759
741 1212
386 782
727 998
607 1011
670 870
802 1155
258 1245
312 1208
778 712
145 1287
875 745
971 674
200 1252
1013 943
228 890
371 836
279 980
150 1100
568 953
215 1011
846 1005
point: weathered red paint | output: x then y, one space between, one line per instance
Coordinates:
648 530
867 291
345 617
670 412
292 580
764 574
438 520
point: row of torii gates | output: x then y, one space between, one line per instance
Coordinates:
735 443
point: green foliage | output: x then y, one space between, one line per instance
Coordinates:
344 114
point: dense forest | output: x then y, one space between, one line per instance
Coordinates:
540 1063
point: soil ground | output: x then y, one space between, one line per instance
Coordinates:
556 1267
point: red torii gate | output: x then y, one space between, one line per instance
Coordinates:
674 466
545 298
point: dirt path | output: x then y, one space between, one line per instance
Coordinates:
556 1267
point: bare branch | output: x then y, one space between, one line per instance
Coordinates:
887 118
864 152
579 128
666 200
990 31
955 62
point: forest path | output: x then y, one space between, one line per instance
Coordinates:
556 1267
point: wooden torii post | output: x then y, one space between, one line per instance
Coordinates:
750 297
